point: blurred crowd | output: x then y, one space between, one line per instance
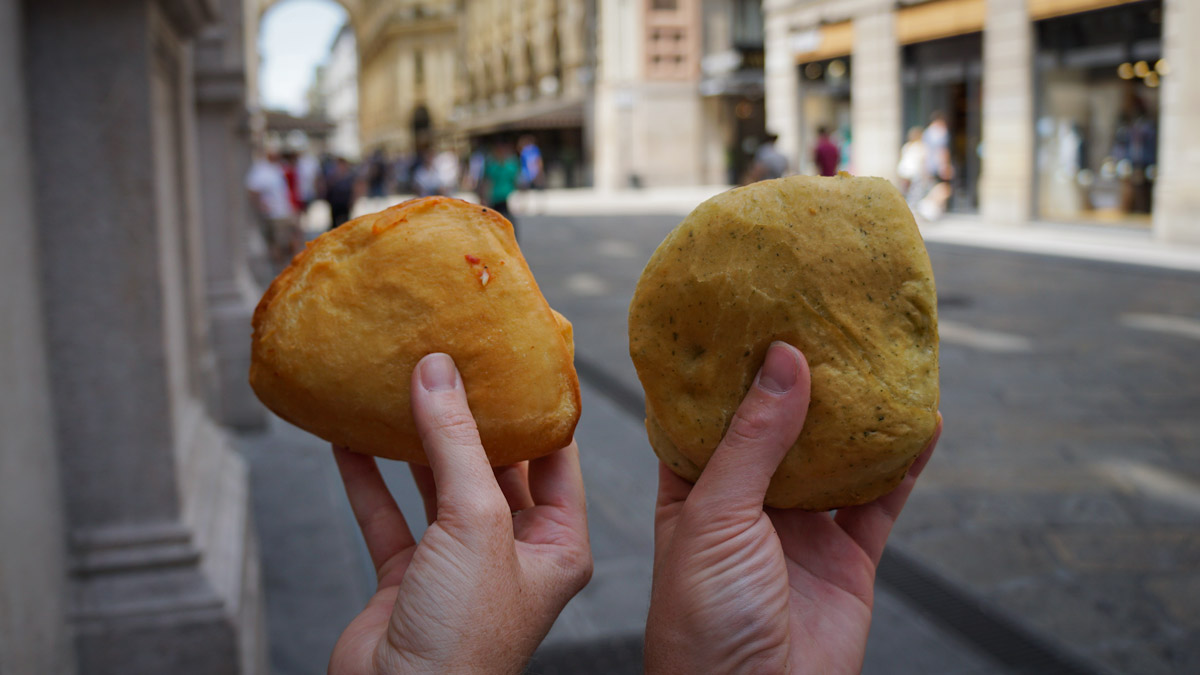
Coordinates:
284 183
924 173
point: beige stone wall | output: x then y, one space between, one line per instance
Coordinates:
875 95
518 56
652 125
790 27
407 58
782 84
1177 192
1006 180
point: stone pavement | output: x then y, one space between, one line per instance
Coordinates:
1057 523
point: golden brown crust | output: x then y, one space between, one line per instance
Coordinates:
834 266
338 333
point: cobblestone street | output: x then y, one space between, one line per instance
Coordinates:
1055 527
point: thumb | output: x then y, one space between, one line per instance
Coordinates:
465 484
762 430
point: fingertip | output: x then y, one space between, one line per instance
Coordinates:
784 368
922 459
437 372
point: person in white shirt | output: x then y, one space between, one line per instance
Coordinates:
308 178
445 164
269 192
911 169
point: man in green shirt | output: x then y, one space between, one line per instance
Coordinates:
501 172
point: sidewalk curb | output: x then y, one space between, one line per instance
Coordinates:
1117 245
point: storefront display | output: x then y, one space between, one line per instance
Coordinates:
943 78
1096 127
825 103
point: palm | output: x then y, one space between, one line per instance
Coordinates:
439 579
800 583
830 580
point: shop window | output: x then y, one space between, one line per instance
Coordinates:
942 78
825 103
1096 119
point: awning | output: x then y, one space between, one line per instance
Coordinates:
525 116
748 82
282 122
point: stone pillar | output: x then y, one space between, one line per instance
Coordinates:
619 53
875 94
221 125
782 84
164 573
1006 175
1177 190
33 596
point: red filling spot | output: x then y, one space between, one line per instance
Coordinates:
471 259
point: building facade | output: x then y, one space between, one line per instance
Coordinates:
679 92
527 69
1057 110
123 507
339 95
407 55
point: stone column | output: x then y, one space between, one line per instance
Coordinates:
1006 175
1177 190
164 573
875 94
221 125
33 596
782 84
619 51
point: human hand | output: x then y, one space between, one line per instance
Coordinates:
741 588
504 552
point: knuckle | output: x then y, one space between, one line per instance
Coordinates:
456 425
484 511
749 427
578 566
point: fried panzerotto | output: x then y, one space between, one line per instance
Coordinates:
338 333
836 267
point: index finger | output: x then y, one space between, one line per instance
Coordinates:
557 480
466 485
384 529
870 524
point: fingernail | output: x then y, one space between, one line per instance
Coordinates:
778 374
438 373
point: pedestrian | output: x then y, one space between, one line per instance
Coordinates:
768 161
308 178
911 168
342 189
377 174
736 587
532 177
288 162
446 165
501 172
425 181
826 154
474 178
268 187
938 168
